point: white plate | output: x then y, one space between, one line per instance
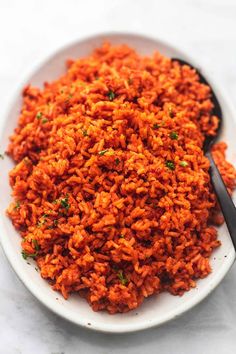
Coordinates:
157 309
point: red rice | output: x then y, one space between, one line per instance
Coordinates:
111 189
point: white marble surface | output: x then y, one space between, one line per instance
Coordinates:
30 29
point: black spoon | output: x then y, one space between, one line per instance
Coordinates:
227 206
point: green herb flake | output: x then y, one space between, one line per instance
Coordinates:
39 115
117 161
111 95
17 206
36 245
44 120
170 165
42 222
65 204
2 156
101 153
84 132
55 201
122 277
26 255
36 269
174 136
122 236
156 126
183 163
130 81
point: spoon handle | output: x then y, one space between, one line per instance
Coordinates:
227 206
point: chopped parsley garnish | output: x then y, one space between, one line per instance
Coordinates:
122 236
17 206
183 163
117 161
39 115
25 254
2 156
40 223
122 277
170 165
156 126
101 153
44 120
64 203
174 135
36 245
111 95
84 132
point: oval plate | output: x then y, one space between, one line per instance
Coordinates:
155 310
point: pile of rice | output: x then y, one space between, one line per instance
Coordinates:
112 194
